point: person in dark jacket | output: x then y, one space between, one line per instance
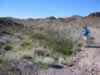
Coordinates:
86 34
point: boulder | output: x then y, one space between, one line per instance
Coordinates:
44 60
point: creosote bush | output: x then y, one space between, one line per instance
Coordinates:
56 42
63 47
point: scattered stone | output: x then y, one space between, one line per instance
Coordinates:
57 66
18 68
61 60
44 60
48 60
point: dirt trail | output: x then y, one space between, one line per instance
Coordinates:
91 55
87 61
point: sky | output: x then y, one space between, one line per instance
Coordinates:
46 8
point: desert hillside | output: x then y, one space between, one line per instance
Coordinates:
49 46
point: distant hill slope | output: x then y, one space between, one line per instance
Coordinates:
95 14
8 24
52 22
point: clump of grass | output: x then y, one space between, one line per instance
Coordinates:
8 48
30 35
57 44
61 46
11 30
25 46
42 66
40 36
26 58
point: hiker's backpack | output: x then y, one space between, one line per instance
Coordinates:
86 32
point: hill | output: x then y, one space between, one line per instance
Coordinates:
35 44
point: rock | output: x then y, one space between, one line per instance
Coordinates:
38 59
48 60
60 60
57 66
44 60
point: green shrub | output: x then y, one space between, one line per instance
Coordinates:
30 35
58 42
25 44
40 36
63 47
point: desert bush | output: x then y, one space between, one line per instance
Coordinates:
27 43
58 42
60 46
63 46
25 46
8 48
40 36
26 58
7 33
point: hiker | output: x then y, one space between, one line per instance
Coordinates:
86 35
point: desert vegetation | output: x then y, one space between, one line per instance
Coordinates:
42 42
